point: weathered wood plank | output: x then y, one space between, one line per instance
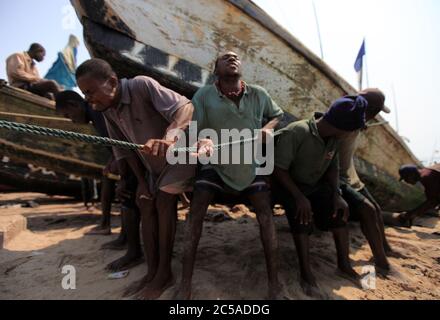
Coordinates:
50 161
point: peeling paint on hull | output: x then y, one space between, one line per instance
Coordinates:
177 43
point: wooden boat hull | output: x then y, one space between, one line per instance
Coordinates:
55 154
177 43
29 178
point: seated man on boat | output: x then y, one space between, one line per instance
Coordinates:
430 179
231 104
307 182
363 207
23 73
141 111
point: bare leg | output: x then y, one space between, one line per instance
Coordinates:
380 223
199 205
185 202
149 229
341 239
166 206
107 196
370 228
121 242
389 251
85 192
308 281
134 256
261 202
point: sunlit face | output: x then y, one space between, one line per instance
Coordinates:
100 94
229 64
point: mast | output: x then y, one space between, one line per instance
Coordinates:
318 28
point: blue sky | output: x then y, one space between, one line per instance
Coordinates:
403 48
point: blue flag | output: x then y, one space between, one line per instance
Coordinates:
358 65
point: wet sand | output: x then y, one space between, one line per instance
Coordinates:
230 261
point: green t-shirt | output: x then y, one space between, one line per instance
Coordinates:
301 151
214 111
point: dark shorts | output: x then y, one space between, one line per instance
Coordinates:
356 200
209 180
322 206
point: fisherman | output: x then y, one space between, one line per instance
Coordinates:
71 105
430 179
23 73
231 104
307 182
363 207
142 111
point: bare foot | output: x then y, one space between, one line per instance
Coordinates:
183 293
394 253
276 292
348 273
384 272
382 267
100 231
117 245
310 287
137 286
156 288
393 273
405 221
126 262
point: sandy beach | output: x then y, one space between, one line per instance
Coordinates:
230 261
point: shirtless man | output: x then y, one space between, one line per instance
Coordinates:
430 179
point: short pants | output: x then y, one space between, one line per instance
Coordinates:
356 200
209 180
322 204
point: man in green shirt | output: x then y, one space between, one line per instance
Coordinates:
307 182
232 104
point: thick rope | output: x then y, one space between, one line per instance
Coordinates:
42 131
224 145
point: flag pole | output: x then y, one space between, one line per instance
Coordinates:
366 64
319 29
